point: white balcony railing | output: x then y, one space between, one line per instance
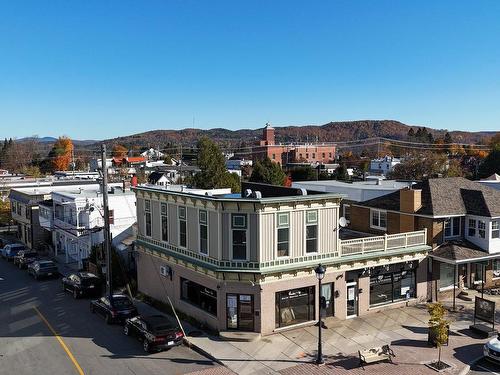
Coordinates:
386 243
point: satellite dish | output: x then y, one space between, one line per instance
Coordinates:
343 222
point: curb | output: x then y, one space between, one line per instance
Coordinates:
199 350
466 369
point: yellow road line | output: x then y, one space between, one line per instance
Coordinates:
61 341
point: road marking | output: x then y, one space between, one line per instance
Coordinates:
61 341
488 370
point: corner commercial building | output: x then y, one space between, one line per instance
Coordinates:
246 261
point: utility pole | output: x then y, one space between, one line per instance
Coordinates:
109 289
180 166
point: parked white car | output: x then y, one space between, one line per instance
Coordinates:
491 350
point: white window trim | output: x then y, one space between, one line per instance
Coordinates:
469 227
179 226
459 218
492 230
306 224
199 233
372 211
276 228
247 234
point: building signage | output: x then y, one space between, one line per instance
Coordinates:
484 310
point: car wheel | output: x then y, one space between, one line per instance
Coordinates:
146 345
75 294
108 319
126 330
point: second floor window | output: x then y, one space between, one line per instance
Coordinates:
481 225
472 227
147 209
283 234
164 222
452 227
311 231
239 232
182 227
495 229
378 219
203 232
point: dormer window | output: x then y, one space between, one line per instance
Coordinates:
482 228
472 227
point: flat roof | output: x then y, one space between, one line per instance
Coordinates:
237 197
369 184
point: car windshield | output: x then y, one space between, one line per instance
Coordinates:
88 281
47 265
121 302
162 327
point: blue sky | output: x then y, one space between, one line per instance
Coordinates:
97 69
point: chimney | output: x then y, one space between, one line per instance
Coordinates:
410 201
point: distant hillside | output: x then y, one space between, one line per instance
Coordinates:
50 140
331 132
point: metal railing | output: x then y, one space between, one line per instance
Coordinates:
385 243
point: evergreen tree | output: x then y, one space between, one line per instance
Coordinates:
267 172
447 138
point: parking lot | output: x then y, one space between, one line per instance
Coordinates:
45 331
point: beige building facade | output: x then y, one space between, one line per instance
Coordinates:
246 262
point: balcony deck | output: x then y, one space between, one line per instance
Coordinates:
348 251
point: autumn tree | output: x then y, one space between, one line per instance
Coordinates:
119 151
420 166
438 325
61 154
495 141
490 164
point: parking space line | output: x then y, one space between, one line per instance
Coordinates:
488 370
61 342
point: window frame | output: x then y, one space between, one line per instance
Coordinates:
495 230
182 218
279 227
452 220
311 221
481 227
379 215
148 228
471 228
164 221
205 224
242 228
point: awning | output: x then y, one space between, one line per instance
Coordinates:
460 252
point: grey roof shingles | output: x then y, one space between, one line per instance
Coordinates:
459 251
446 197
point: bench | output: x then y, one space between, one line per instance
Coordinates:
372 355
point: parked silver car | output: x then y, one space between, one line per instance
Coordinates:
10 251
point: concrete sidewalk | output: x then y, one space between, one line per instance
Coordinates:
405 329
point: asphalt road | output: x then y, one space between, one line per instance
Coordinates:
483 367
86 344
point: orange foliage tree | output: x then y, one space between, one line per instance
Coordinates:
61 154
119 151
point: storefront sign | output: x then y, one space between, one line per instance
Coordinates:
484 310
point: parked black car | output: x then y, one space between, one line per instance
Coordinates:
43 268
156 332
82 284
115 311
25 257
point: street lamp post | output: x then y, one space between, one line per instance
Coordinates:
320 273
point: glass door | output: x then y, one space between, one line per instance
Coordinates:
327 299
240 312
232 311
352 299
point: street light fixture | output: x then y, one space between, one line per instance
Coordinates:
320 273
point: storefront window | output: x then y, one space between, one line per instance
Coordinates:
446 275
199 296
294 306
392 286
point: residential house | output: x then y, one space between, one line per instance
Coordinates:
78 220
462 219
161 178
357 191
384 165
246 261
152 154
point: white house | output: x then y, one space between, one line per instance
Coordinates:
78 219
384 165
153 154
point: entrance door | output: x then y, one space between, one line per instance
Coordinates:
240 312
352 299
327 298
